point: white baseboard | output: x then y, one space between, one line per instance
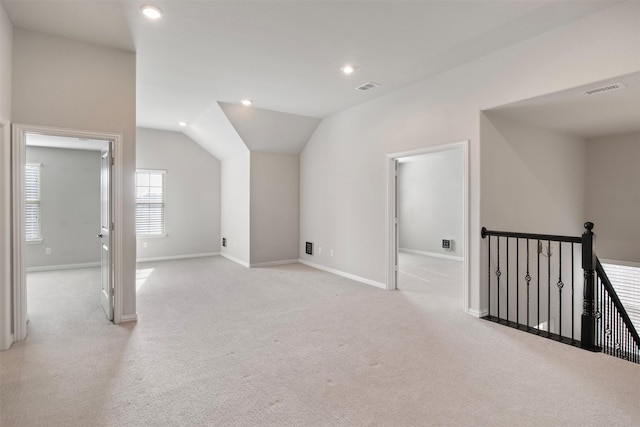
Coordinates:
343 274
234 259
433 254
272 263
129 318
167 258
62 267
477 313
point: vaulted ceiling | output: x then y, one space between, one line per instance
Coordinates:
201 58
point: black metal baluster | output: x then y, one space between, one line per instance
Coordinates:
498 277
560 286
489 278
538 300
527 278
549 287
508 301
518 282
573 326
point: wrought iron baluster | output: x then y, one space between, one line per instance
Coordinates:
527 279
538 300
560 286
508 301
549 286
573 326
498 274
489 277
517 282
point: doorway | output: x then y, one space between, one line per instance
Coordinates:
28 207
428 220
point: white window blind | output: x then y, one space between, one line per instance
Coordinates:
626 281
150 197
32 196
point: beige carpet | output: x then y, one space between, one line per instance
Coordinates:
220 345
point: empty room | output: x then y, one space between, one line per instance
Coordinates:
319 213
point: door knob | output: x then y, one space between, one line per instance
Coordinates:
100 236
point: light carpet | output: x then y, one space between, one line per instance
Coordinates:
218 344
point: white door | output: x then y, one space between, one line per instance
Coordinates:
106 294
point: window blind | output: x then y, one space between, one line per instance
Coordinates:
32 196
150 199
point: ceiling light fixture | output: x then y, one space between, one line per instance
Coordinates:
151 12
246 102
183 124
348 69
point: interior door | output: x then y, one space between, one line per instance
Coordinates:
396 243
106 227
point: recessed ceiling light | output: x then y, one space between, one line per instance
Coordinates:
183 124
246 102
348 69
151 12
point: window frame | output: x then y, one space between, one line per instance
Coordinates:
37 202
161 203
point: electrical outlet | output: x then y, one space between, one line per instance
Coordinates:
331 252
47 251
319 251
145 244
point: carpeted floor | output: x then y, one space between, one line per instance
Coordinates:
218 344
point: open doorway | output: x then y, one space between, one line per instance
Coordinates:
63 186
428 243
61 242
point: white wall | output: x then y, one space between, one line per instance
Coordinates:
274 207
613 199
537 181
69 207
6 63
343 167
431 203
235 205
63 83
192 205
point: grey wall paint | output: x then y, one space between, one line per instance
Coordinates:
343 173
538 181
6 48
613 200
192 206
69 206
68 84
431 202
274 207
235 216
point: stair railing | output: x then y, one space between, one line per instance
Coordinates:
529 293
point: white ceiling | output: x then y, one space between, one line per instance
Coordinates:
589 116
286 55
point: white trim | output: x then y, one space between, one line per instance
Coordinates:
129 318
616 262
234 259
6 336
391 201
477 313
432 254
343 274
167 258
18 160
272 263
62 267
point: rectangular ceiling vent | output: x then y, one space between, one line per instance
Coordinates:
367 86
608 88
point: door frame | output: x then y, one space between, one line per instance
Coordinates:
18 158
392 246
6 322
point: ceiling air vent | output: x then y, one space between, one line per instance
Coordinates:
608 88
367 86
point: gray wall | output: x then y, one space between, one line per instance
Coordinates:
343 173
192 205
431 203
274 207
68 84
613 200
69 207
235 216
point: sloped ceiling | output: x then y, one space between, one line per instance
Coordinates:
272 131
286 55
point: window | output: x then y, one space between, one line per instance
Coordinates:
150 203
32 196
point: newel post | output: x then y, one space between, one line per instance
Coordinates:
588 337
